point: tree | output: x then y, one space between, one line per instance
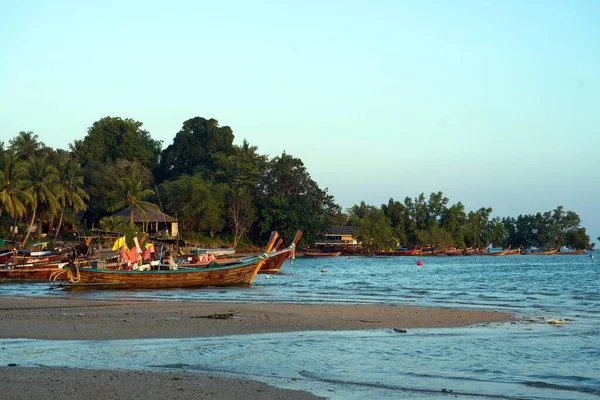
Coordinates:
113 138
114 224
13 196
197 147
241 214
70 191
42 187
373 230
394 211
26 145
290 200
132 192
453 221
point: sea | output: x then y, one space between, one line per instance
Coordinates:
527 358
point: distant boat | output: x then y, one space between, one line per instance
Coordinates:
402 251
315 254
571 252
453 251
541 252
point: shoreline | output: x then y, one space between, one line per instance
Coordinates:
83 319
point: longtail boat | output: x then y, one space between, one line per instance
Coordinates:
315 254
513 252
273 264
242 272
453 251
403 251
29 272
572 252
541 252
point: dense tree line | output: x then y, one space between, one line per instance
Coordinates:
227 193
431 223
218 191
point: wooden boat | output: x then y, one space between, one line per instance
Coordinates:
403 251
273 264
315 254
453 251
30 272
513 252
242 272
541 252
571 252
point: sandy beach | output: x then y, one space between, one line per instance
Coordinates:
73 319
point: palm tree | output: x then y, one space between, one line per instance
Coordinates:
114 224
25 145
13 198
70 193
132 194
42 183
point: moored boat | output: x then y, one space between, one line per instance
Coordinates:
273 264
242 272
541 252
315 254
29 272
571 252
402 251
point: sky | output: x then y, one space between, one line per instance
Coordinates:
494 103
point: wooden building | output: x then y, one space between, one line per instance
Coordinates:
153 221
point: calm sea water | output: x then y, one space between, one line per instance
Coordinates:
520 360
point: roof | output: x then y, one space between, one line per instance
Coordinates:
152 215
340 230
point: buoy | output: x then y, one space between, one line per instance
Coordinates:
268 277
324 270
419 263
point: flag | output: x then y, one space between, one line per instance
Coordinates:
133 255
148 251
120 242
125 253
137 245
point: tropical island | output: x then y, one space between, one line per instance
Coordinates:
224 194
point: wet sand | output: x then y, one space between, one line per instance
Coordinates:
74 319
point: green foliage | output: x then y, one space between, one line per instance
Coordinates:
198 147
132 192
114 224
372 229
198 204
113 138
42 183
290 200
13 196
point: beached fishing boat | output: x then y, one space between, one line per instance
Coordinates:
29 272
315 254
77 276
273 264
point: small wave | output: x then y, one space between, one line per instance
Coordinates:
581 389
314 376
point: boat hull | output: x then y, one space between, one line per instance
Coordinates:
317 254
575 252
226 275
29 273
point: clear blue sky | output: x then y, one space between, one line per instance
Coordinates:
494 103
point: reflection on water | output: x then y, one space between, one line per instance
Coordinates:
522 360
